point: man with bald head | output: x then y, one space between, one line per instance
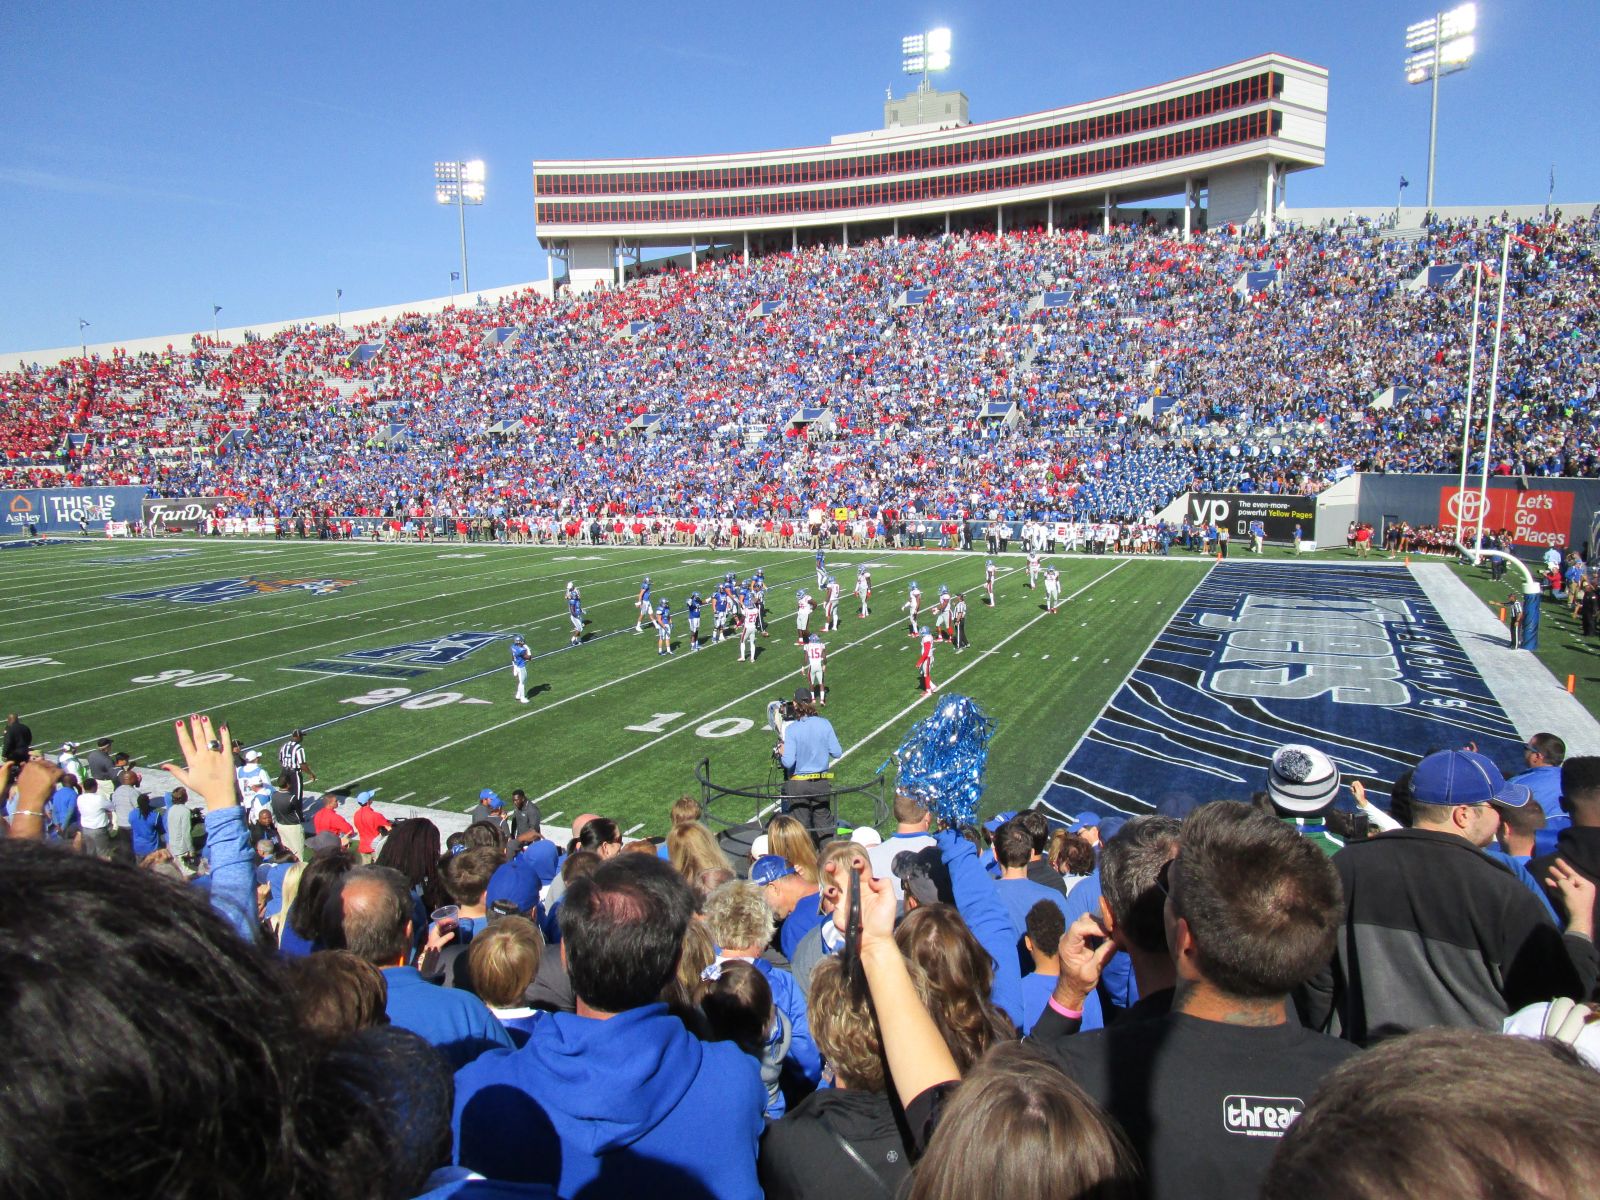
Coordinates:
377 909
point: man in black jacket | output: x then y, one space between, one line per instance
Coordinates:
1437 933
1579 845
18 739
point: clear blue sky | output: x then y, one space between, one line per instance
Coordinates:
158 158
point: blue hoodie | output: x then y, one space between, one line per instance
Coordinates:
635 1106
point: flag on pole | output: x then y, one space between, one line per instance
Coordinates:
1404 183
82 324
455 276
215 309
339 292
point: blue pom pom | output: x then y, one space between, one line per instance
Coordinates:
942 760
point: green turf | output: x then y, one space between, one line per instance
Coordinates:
1562 647
129 669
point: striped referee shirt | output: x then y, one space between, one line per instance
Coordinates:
292 755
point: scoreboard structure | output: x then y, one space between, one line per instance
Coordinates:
1221 143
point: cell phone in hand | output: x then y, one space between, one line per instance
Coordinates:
851 953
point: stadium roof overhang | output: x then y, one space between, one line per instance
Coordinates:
1267 111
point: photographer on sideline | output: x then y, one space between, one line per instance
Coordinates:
809 747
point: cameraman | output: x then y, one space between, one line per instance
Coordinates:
809 747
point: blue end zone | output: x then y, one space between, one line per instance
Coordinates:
1355 661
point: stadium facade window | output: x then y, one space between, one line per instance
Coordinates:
1150 151
1191 106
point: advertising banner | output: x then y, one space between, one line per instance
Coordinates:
187 513
1535 518
60 510
1235 510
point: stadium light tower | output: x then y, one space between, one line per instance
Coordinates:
1441 45
923 54
461 184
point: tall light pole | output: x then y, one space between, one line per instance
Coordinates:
1441 45
461 184
925 53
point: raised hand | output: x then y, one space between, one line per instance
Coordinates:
206 772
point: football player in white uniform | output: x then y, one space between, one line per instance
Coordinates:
863 589
941 615
1052 588
830 605
816 664
988 581
749 621
646 611
1033 569
913 605
802 616
925 662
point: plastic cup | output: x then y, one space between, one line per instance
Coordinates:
446 917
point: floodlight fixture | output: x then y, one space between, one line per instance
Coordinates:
923 53
460 183
1441 45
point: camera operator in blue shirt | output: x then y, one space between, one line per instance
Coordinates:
809 747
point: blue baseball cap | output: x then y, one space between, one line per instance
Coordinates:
490 798
770 868
1451 777
365 797
1084 820
1110 827
999 819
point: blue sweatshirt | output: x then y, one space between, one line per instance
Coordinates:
454 1021
987 918
634 1105
232 882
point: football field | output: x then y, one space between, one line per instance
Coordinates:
395 661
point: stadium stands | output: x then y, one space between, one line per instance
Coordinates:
1139 364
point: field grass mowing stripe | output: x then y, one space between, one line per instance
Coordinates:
475 734
1111 696
849 750
299 624
287 687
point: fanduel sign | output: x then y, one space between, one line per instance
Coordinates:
184 512
59 510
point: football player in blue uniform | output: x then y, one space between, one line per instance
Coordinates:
644 606
692 609
519 666
664 627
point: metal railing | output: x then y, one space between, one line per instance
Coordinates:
728 807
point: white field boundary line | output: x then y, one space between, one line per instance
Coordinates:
481 583
299 683
765 687
289 617
1122 683
982 654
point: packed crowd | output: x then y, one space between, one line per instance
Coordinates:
1145 374
1300 997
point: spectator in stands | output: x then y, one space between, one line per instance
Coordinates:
1446 1114
801 1156
1251 913
1434 932
692 848
376 908
740 923
788 838
1302 786
1013 850
1042 941
1578 846
617 1096
1544 754
502 963
795 901
336 993
912 823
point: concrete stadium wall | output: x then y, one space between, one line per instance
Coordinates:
1411 215
235 334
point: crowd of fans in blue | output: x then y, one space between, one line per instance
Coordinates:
1290 997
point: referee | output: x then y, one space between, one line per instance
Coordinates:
292 757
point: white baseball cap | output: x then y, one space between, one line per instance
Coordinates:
762 845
